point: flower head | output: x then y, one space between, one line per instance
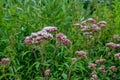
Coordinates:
113 68
81 53
100 61
117 56
62 39
102 68
91 20
50 29
28 40
47 72
102 24
117 37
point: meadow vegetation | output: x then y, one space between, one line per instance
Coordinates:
59 40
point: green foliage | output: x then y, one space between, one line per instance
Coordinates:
19 18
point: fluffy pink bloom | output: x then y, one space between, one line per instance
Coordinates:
102 68
5 60
85 29
28 40
91 20
117 56
67 42
111 44
95 27
117 46
102 24
47 72
100 61
117 37
61 36
50 29
94 76
113 68
38 37
81 53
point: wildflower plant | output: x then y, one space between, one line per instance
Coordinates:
91 29
38 39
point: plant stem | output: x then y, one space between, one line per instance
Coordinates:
56 47
42 56
71 66
36 59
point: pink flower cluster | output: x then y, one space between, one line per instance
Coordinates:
94 65
113 45
50 29
94 76
117 56
116 37
81 54
100 61
113 68
47 72
89 26
4 61
102 68
62 39
40 36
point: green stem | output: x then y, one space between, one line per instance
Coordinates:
71 66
